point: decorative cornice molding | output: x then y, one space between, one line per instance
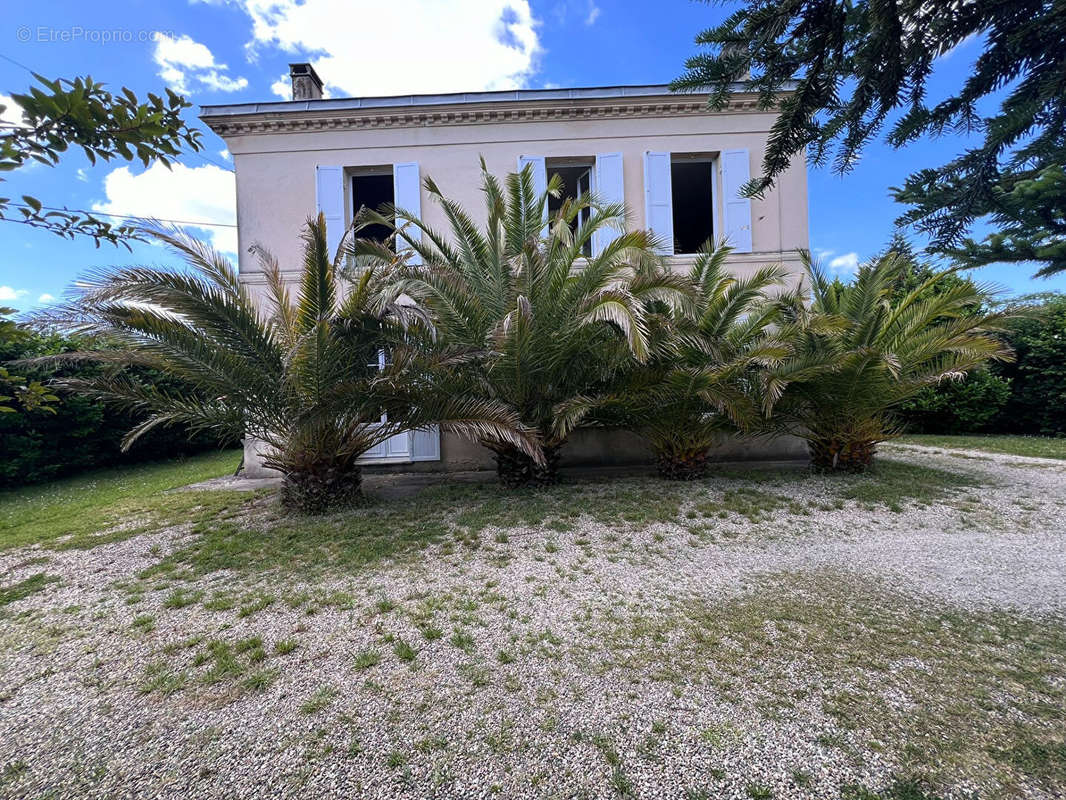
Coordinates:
307 122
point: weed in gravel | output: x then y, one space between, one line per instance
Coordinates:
319 701
180 598
260 680
981 690
285 646
24 588
160 677
367 659
145 623
463 640
404 651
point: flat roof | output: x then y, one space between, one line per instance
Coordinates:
455 98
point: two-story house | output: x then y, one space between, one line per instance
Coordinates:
677 167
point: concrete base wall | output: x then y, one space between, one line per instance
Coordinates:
590 447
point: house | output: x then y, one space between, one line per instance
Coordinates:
677 167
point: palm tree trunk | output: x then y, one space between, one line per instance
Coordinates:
322 488
841 454
516 469
690 465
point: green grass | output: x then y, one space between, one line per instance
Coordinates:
452 514
983 693
85 508
1037 446
24 588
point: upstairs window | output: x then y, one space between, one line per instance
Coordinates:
692 198
371 188
578 177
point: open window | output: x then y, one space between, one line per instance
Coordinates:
692 196
681 204
579 177
601 175
371 188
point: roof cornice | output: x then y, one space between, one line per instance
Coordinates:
542 105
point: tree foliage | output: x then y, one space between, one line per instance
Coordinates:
552 324
80 113
860 350
698 383
853 68
300 373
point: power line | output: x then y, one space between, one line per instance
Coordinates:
194 223
16 63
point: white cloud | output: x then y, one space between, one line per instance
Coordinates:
12 114
82 175
401 46
187 194
594 13
184 63
845 264
225 154
282 87
45 298
8 293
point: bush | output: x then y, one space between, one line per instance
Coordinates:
79 433
971 405
1037 403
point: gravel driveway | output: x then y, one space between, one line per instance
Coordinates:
759 636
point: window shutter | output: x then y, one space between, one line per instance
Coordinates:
407 194
609 189
658 203
329 200
736 171
425 444
540 176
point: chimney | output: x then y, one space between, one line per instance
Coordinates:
306 85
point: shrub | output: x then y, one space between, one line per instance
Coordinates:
971 405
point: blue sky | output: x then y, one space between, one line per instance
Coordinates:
238 51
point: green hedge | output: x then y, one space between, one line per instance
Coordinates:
82 433
1027 396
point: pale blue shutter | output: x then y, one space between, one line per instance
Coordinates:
658 201
540 176
736 171
610 188
407 194
329 200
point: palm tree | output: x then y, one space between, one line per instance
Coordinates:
862 348
702 380
302 374
551 323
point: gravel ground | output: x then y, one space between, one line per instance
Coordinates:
784 654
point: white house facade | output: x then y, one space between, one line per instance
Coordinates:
676 166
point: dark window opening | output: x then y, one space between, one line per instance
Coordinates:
372 191
577 180
691 196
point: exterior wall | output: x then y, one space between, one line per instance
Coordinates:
585 448
276 194
276 172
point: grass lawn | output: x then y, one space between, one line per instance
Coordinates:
1037 446
763 634
83 510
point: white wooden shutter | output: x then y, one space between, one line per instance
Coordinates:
609 189
736 171
658 202
540 176
407 194
425 444
329 200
